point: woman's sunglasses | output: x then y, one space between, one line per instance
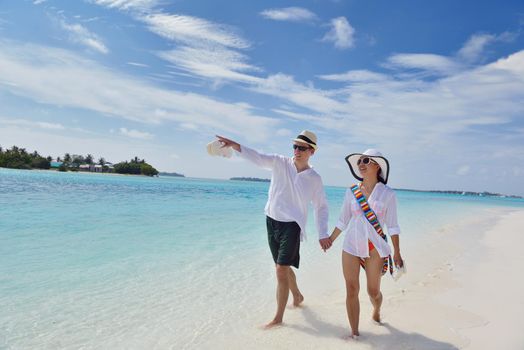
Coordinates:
366 161
301 148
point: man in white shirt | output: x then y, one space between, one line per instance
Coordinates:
294 184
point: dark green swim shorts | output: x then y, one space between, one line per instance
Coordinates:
284 241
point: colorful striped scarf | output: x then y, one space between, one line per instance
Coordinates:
373 220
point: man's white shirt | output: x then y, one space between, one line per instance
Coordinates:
290 191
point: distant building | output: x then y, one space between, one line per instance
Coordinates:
56 164
97 168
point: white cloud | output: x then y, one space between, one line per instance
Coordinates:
194 31
405 115
475 47
211 62
32 124
136 64
293 14
137 5
51 126
284 132
38 2
204 48
341 33
189 126
355 76
57 77
471 51
299 116
136 134
285 87
427 62
80 34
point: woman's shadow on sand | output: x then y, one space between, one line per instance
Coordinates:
396 339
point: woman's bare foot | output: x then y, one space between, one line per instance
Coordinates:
273 324
298 300
376 316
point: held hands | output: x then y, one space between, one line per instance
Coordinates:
325 243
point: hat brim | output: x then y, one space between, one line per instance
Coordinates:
306 143
352 159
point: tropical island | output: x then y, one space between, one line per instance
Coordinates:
466 193
163 173
20 158
255 179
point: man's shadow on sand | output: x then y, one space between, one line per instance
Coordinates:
396 339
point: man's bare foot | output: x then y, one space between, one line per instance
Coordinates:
352 336
273 324
298 300
376 316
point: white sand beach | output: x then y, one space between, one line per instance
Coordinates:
462 291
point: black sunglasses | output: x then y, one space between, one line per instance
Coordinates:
301 148
366 161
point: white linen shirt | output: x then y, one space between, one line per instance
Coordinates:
290 191
357 228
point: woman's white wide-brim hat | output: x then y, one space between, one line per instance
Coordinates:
373 154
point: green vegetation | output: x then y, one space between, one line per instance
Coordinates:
19 158
135 166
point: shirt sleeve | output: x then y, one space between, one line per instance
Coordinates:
321 210
266 161
345 212
391 215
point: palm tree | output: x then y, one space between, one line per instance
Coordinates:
67 158
102 161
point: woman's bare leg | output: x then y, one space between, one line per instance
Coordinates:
351 269
373 275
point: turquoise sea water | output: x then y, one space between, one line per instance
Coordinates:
103 261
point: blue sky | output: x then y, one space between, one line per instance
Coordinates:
438 86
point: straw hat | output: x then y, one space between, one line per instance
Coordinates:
308 138
374 155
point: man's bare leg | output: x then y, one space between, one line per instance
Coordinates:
282 294
298 298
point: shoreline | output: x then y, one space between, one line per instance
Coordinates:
77 172
456 193
453 297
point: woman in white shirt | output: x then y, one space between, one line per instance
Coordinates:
362 243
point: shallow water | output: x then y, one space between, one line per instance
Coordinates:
91 260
